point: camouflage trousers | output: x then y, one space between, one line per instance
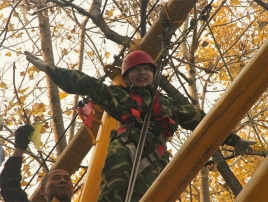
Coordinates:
117 170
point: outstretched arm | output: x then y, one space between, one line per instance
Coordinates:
11 174
112 99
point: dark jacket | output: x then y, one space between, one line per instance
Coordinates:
10 181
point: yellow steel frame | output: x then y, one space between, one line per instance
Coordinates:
212 131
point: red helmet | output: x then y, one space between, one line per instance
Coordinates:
135 58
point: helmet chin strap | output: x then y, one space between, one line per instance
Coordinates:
126 80
128 83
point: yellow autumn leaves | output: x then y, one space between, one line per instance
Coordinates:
91 54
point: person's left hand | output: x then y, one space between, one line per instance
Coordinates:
21 136
243 146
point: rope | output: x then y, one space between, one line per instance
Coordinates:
166 19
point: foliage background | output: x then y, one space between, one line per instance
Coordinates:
218 50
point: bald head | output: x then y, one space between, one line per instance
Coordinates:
57 184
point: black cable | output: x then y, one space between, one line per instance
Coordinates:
136 162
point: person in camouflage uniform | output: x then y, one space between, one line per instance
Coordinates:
129 106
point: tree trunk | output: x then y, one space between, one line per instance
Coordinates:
204 192
226 173
80 65
53 91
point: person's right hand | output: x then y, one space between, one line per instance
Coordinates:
37 62
21 136
243 147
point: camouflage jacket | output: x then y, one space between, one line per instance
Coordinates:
10 181
116 100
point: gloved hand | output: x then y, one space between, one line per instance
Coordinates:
37 62
243 146
21 136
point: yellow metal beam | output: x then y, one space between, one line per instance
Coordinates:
91 188
176 12
213 130
257 186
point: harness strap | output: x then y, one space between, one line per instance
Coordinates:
146 161
132 113
123 136
164 122
136 97
156 106
132 150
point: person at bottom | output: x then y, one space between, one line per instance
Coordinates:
56 184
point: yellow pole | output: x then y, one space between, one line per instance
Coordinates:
93 178
175 12
257 186
91 188
213 130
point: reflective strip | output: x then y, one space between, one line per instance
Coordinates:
146 161
123 136
132 148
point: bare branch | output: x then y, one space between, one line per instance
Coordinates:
96 17
262 4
